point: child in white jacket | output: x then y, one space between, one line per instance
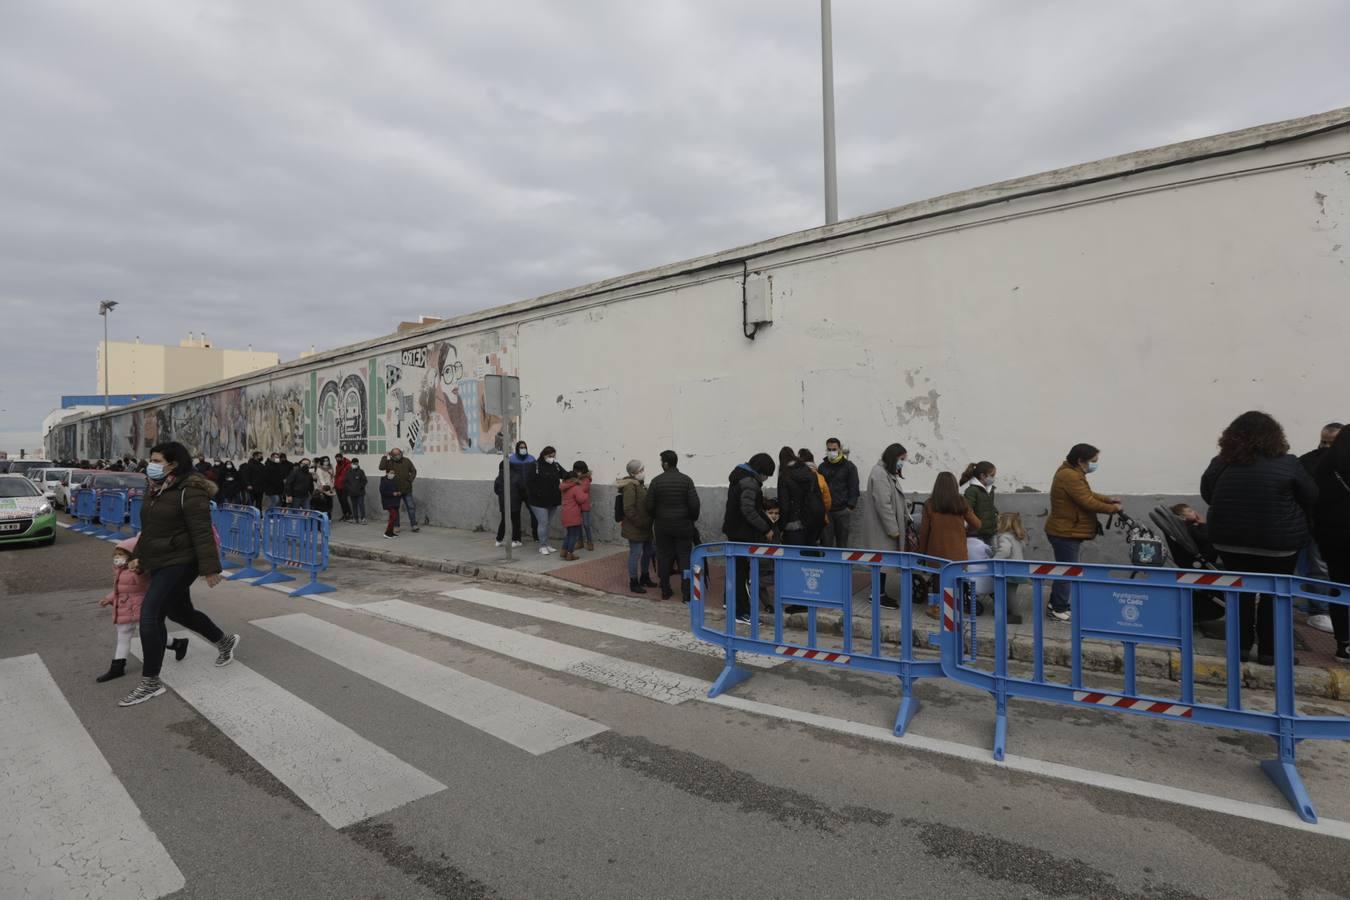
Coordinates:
1009 541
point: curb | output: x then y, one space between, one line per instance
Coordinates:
500 574
1165 665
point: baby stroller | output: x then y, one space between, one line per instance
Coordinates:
1207 606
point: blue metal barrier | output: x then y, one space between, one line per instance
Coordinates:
296 538
86 510
112 514
240 530
135 500
1142 606
816 578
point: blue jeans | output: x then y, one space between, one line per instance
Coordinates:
1066 551
572 539
640 555
300 503
544 516
586 526
411 505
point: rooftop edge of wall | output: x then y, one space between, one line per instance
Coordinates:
1113 167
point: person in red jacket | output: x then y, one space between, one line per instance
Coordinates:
340 469
576 497
125 599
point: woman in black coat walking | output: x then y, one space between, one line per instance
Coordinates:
1260 503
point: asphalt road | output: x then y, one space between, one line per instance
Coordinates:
664 799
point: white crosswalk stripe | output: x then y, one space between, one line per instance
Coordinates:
617 626
531 725
69 827
339 774
645 681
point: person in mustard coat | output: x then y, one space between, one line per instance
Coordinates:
1074 508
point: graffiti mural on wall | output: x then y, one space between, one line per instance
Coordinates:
434 395
426 399
275 417
342 413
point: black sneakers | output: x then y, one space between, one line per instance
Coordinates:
226 646
148 689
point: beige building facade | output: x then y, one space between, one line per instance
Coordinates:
137 368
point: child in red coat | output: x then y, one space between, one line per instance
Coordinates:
125 598
576 499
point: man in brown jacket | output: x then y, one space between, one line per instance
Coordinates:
1073 517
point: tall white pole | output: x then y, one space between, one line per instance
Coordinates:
827 89
105 360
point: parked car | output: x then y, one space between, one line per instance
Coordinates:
101 481
73 479
25 515
24 466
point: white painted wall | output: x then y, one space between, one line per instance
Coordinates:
1140 313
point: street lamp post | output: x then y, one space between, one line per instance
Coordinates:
827 89
105 307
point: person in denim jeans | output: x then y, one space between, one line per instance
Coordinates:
1074 508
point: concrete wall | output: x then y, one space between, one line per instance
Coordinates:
1138 304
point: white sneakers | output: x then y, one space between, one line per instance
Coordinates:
497 544
1321 623
516 544
545 551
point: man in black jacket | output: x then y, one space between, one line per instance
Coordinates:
253 476
300 486
673 504
274 480
744 521
842 477
1319 613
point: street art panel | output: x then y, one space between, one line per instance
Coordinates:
433 395
342 411
275 416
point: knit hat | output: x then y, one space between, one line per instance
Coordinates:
635 466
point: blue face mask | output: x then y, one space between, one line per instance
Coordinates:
1092 467
155 471
899 467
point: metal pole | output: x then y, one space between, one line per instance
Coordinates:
827 89
508 447
105 360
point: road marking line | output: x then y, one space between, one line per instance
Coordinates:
1209 802
645 681
630 629
532 725
70 828
340 775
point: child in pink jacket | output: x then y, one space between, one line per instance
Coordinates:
576 498
125 598
584 474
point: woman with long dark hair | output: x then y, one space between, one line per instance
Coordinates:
1260 500
176 545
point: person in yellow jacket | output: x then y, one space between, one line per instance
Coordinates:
1074 508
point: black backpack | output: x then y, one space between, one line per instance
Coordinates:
618 506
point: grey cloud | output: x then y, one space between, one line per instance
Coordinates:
311 172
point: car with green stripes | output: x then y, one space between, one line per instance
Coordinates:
26 516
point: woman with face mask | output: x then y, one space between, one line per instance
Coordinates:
883 525
1074 508
980 497
176 545
544 489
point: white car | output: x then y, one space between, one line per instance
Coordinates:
49 482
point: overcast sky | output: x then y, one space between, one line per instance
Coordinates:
298 173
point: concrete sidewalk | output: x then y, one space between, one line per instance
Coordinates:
601 571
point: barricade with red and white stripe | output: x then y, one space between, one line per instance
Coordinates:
808 584
1134 607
